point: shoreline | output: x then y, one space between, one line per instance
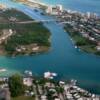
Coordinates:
33 2
81 48
69 86
32 45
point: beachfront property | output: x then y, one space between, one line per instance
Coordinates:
54 10
48 89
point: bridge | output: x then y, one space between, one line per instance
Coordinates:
44 21
35 21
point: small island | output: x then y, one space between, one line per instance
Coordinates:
17 37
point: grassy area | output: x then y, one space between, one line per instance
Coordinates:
23 98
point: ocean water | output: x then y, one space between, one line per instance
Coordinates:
79 5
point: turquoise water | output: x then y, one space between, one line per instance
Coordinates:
63 58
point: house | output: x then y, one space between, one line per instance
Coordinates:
54 10
28 81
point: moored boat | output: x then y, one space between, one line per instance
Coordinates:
28 73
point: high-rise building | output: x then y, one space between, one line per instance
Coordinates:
54 10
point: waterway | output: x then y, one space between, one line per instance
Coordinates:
63 58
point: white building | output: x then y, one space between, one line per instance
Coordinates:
28 81
60 8
88 14
54 10
49 10
91 15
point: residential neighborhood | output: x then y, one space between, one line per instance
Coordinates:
49 49
83 28
46 88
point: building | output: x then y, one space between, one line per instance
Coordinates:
27 81
91 15
54 10
60 8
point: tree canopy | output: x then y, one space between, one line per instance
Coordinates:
16 85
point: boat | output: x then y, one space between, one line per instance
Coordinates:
54 74
49 75
75 47
27 72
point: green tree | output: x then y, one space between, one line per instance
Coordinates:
16 85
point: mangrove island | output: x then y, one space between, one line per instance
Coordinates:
19 35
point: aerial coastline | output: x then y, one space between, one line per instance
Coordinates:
84 39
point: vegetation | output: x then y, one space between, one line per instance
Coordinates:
59 89
22 98
16 14
23 34
16 85
28 34
82 42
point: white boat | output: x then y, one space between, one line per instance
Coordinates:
54 74
27 72
49 75
75 47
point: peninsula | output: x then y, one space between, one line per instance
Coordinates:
19 37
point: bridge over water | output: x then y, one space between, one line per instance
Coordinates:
38 21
